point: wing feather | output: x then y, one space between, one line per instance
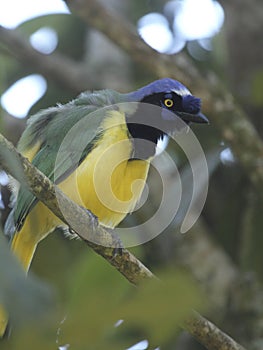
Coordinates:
66 134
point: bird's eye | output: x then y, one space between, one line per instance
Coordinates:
168 102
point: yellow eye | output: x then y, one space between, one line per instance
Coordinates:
168 102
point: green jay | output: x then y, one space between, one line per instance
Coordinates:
95 148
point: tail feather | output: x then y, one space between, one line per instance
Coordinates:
3 321
23 249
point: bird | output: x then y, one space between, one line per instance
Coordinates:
94 148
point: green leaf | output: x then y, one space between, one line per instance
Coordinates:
25 298
95 293
159 307
99 297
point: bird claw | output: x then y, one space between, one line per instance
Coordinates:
117 244
116 252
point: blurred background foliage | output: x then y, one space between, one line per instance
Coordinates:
222 252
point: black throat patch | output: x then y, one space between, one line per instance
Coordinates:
146 128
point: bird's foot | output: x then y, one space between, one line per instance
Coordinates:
117 244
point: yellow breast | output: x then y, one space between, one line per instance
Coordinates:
107 182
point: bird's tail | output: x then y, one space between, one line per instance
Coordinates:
3 321
23 247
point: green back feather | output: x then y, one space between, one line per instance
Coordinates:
79 121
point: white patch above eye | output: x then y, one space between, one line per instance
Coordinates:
161 145
182 92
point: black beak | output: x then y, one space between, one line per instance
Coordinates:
199 118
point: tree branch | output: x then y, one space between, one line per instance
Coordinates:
224 112
159 65
209 335
61 69
86 226
79 219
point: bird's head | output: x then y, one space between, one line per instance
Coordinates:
176 104
171 96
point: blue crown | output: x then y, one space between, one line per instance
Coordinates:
158 86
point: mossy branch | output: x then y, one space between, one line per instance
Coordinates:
87 228
80 220
209 335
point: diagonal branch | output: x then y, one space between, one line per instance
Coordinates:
55 67
209 335
86 226
80 220
224 112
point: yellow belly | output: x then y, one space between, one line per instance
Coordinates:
107 182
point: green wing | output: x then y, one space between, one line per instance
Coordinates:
67 134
